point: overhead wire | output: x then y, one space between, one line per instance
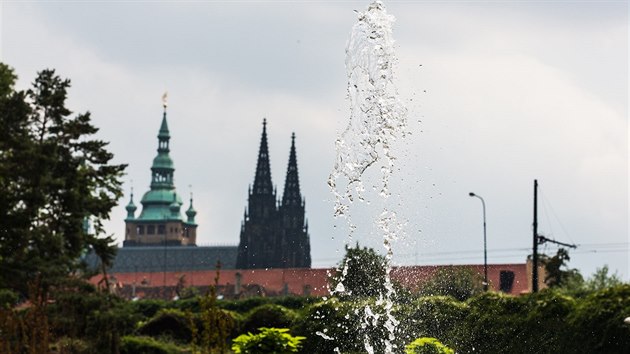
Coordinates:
498 253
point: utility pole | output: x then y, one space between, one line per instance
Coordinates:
539 239
535 237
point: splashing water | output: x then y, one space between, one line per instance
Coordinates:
377 119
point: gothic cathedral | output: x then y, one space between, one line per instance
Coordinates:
274 234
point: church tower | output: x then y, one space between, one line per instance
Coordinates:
160 221
257 241
295 245
274 234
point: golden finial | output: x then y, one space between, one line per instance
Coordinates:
165 99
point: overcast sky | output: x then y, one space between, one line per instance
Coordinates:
498 93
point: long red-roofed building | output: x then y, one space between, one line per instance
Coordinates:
234 283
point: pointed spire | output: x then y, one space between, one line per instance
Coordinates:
164 133
163 168
162 201
191 212
291 195
262 181
131 207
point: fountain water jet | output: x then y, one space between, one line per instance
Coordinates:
377 119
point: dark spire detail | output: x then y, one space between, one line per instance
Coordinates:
291 195
262 181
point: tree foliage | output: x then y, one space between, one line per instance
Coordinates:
267 341
458 282
427 345
558 272
361 273
53 175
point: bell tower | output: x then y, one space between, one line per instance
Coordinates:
160 222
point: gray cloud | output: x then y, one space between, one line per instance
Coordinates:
513 92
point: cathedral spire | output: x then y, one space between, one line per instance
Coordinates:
262 181
291 195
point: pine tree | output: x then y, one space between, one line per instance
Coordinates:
53 176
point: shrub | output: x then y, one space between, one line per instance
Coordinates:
269 340
334 325
269 315
427 345
598 322
148 308
460 283
170 323
8 298
71 345
432 316
148 345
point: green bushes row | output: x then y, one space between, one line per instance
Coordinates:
546 322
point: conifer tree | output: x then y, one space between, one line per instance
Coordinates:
54 174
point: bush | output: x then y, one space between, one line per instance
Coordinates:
495 323
598 322
8 298
147 345
427 345
71 345
269 315
460 283
432 316
338 325
148 308
269 340
169 323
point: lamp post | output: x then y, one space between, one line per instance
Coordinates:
485 252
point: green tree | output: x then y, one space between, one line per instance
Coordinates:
53 175
601 280
361 273
558 272
458 282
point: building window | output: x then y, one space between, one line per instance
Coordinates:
140 230
151 229
506 281
161 229
306 290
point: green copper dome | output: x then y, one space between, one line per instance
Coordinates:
163 161
162 202
131 209
191 213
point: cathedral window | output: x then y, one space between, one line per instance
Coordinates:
161 229
151 229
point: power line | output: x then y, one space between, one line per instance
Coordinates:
500 253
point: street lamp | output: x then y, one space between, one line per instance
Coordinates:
485 252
